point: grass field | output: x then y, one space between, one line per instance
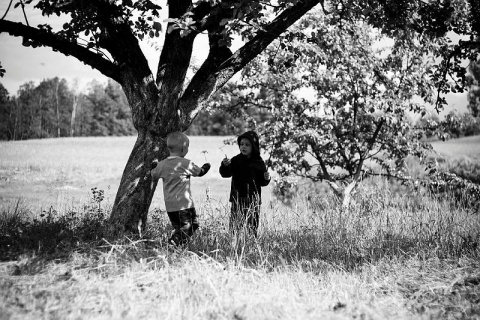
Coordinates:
468 146
63 171
392 256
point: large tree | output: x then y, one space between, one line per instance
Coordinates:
104 34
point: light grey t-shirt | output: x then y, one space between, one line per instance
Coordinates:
175 172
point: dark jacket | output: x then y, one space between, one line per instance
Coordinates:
247 173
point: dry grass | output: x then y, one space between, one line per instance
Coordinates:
165 284
392 256
185 286
59 172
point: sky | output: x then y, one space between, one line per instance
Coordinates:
24 64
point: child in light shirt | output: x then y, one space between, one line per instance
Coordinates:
175 171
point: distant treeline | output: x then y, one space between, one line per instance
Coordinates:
54 109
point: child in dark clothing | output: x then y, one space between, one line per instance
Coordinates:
249 173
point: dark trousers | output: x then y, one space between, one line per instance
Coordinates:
245 214
185 223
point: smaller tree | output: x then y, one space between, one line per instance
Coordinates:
356 121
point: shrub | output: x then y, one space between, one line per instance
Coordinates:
23 231
464 167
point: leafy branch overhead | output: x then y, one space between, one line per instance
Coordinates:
98 25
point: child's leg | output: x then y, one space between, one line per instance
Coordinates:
175 221
188 221
185 223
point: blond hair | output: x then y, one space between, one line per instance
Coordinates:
176 141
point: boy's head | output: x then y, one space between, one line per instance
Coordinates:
249 144
177 144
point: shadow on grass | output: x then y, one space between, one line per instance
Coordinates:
314 250
49 233
53 235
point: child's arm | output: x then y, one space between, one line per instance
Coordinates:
267 176
149 173
197 171
205 169
225 169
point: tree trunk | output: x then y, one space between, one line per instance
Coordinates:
344 195
72 120
58 113
40 133
15 123
136 189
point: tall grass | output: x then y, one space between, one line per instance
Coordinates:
390 256
395 254
381 223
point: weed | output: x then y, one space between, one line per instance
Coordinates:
22 231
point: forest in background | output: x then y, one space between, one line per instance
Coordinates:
55 108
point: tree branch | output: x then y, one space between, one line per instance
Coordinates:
322 164
66 47
6 11
176 54
463 45
204 84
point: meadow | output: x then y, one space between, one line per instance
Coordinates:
467 146
59 172
406 255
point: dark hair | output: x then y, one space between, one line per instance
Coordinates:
252 136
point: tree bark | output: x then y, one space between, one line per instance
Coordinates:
72 120
343 194
136 189
16 121
57 103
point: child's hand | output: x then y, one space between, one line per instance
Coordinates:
153 165
206 167
266 175
226 161
147 175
